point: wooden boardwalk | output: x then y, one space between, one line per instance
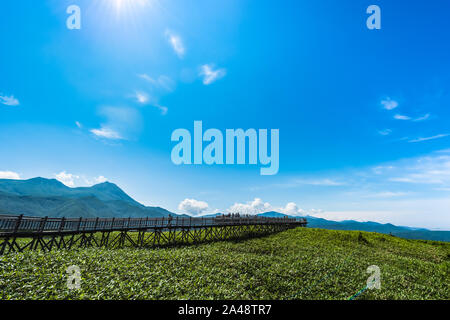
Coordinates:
19 233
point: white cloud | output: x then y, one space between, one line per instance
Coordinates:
146 77
298 182
74 180
423 118
9 175
192 206
381 169
405 117
425 170
385 132
210 75
78 124
416 212
166 83
386 194
442 189
292 209
320 182
176 42
253 207
106 133
141 97
430 138
100 179
121 123
389 104
85 181
67 178
401 117
160 86
258 206
9 101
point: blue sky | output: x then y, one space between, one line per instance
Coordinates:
363 114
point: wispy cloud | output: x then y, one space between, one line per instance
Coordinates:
78 124
423 118
9 101
162 82
382 169
442 189
141 97
402 192
176 43
210 75
320 182
418 119
163 109
160 86
433 169
106 133
120 123
389 104
299 182
401 117
386 194
9 175
385 132
144 98
438 136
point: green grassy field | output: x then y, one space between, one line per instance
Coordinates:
301 263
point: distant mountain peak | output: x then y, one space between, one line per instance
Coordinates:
43 187
106 185
49 197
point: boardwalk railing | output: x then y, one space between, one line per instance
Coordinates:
45 232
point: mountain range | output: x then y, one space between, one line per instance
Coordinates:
370 226
50 197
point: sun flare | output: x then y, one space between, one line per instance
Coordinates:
128 6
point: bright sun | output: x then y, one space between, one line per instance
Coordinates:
129 4
128 13
126 7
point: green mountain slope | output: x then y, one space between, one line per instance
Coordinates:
41 187
49 197
300 263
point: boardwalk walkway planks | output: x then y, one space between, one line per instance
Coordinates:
19 233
